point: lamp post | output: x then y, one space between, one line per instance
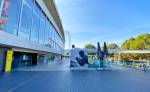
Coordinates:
69 39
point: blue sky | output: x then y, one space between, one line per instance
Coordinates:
111 21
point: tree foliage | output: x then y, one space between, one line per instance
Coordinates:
112 46
89 46
140 42
131 56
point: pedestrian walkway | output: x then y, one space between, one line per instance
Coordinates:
59 77
76 81
50 66
63 66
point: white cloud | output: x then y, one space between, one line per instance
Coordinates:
118 33
81 43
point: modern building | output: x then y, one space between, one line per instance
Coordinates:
30 33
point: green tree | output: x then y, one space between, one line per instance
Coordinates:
128 44
138 43
112 46
89 46
145 39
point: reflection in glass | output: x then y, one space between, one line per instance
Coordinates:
42 31
46 33
26 20
13 16
35 28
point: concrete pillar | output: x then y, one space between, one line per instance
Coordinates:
9 58
123 62
148 62
119 58
133 63
2 59
46 58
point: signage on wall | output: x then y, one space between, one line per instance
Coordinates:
9 61
4 14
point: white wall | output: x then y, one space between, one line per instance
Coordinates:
7 39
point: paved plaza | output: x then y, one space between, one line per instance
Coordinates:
116 80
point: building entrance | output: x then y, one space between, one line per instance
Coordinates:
22 59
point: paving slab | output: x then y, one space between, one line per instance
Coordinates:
76 81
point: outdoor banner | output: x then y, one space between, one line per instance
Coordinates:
4 13
8 61
78 57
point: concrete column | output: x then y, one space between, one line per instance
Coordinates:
46 58
2 59
119 58
123 63
148 62
9 58
1 6
133 63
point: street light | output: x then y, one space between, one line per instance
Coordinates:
69 39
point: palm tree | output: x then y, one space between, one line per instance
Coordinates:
105 50
99 52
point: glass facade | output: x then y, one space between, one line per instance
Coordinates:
35 24
46 32
42 30
21 59
24 18
13 19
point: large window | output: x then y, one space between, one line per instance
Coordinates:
26 20
0 1
13 16
53 33
42 30
35 28
46 33
50 35
57 38
35 24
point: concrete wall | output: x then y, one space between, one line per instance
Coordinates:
9 40
48 13
2 58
